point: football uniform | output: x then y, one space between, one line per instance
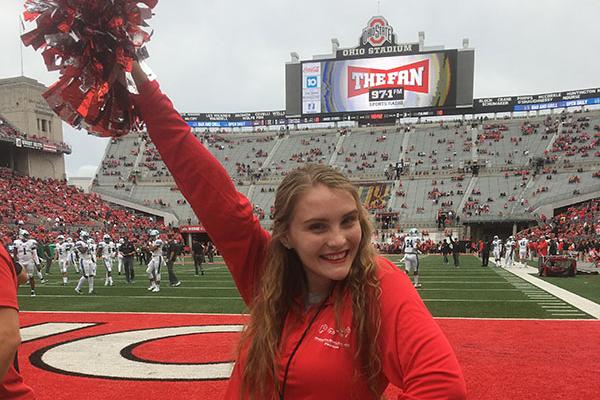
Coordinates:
509 254
107 250
523 243
27 256
62 251
93 248
85 254
72 255
156 261
119 257
87 261
411 257
497 249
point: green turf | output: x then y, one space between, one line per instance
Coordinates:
584 285
468 291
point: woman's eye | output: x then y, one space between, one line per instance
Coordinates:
316 227
350 220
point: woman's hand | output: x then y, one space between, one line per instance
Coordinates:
139 76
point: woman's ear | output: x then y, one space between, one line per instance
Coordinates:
285 241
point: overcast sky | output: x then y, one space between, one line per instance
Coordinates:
229 55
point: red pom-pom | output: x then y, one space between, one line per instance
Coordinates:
93 44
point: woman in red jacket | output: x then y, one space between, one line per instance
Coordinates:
12 386
330 319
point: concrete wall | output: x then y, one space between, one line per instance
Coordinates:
22 104
46 165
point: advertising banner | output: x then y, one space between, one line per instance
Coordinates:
49 148
192 229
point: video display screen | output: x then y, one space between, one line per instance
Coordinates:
380 83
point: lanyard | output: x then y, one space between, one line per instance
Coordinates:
287 367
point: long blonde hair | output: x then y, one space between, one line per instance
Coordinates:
283 281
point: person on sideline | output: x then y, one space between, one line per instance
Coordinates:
198 256
173 251
455 248
329 318
127 249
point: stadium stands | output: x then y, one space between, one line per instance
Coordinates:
8 131
437 159
48 207
576 230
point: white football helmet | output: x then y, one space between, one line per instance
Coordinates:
23 234
106 238
413 232
153 233
83 235
60 238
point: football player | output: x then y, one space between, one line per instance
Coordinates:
509 252
120 255
497 250
72 254
87 264
411 256
523 246
156 261
62 249
25 253
106 249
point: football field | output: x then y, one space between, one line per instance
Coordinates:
125 342
469 291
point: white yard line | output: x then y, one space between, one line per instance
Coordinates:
583 304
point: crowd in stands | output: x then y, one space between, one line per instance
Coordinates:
48 207
576 230
511 144
10 132
574 138
394 243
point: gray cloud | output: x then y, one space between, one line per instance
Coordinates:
229 55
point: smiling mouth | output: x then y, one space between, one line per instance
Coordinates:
336 257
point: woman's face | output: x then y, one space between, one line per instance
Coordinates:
325 232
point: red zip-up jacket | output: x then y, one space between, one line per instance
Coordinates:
415 355
11 384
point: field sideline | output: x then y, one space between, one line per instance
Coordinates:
466 292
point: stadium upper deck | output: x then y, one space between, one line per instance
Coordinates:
492 169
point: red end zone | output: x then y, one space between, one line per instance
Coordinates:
158 356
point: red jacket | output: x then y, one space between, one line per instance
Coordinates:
415 355
12 386
542 248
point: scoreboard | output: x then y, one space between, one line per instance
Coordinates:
380 75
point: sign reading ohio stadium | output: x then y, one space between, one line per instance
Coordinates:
379 75
378 38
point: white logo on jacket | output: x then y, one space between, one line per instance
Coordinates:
334 338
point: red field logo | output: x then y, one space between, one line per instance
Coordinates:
412 77
377 32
